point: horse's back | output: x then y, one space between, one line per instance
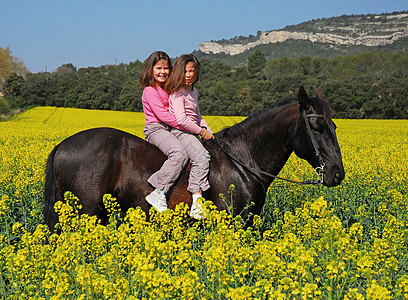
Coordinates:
105 160
102 161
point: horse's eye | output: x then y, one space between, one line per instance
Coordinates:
316 129
316 126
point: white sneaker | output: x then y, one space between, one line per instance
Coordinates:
157 199
196 211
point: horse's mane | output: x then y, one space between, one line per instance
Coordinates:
257 117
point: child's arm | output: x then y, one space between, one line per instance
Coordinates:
158 108
178 105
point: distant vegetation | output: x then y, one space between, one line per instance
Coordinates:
240 39
365 85
358 81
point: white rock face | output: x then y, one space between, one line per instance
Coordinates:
270 37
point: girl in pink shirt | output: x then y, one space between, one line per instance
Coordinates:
158 126
183 102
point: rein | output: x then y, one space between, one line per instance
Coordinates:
318 170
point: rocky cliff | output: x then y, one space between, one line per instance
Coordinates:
373 30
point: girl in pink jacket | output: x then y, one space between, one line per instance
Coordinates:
183 102
158 126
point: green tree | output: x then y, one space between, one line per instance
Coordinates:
35 89
65 69
281 66
130 98
256 62
13 85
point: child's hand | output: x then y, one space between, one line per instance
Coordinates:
206 134
209 136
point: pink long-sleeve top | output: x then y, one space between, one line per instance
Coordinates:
156 107
184 106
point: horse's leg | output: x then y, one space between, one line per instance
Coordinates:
88 178
51 193
136 162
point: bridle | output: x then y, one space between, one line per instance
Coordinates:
319 170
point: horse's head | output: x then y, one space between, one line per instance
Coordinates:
315 140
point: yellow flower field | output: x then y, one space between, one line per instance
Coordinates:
348 242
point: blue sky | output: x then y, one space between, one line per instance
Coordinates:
47 34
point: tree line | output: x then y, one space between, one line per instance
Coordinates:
365 85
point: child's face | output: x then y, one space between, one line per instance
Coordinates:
161 71
190 73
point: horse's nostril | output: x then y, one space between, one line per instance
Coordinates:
336 178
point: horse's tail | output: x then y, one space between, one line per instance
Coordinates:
51 194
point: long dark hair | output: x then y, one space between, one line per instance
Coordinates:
177 80
146 77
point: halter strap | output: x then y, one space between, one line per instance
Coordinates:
318 170
313 115
310 133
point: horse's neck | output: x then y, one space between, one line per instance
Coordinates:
263 143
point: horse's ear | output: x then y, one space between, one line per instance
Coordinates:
318 94
303 98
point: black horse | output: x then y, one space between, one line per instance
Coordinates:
102 161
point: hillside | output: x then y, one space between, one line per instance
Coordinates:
326 37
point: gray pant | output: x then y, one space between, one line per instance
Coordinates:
159 135
199 158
